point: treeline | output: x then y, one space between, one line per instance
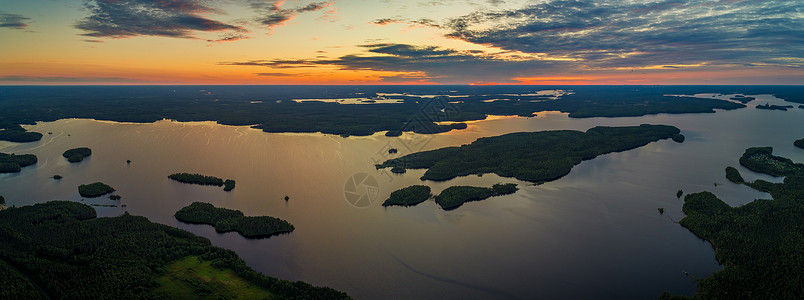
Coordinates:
278 113
11 163
529 156
62 248
15 133
408 196
77 154
193 178
455 196
760 244
226 220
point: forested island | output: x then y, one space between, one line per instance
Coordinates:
455 196
77 154
529 156
774 107
408 196
733 175
761 243
46 252
12 163
799 143
275 110
95 189
191 178
226 220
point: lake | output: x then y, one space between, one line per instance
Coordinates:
595 233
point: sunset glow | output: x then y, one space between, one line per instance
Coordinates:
401 42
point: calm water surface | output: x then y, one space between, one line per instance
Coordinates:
594 233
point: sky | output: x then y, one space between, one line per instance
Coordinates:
543 42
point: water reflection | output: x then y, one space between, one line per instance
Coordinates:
594 233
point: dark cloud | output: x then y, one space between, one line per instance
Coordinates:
12 21
229 38
438 64
129 18
420 22
610 34
274 15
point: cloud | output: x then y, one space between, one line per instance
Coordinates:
616 34
273 15
130 18
12 21
58 79
419 62
420 22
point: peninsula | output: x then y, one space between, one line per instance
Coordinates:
126 257
760 243
226 220
12 163
529 156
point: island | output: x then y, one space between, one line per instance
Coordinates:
455 196
12 163
95 189
799 143
678 138
733 175
77 154
774 107
124 257
759 244
199 179
226 220
15 133
679 194
742 98
57 177
529 156
115 197
408 196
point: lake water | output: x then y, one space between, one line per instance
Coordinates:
595 233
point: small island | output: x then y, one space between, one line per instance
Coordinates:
57 177
96 189
799 143
679 193
199 179
761 159
409 196
742 98
774 107
12 163
77 154
678 138
733 175
226 220
529 156
455 196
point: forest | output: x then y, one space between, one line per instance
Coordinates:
227 184
95 189
272 109
15 133
760 244
77 154
12 163
408 196
529 156
455 196
60 249
226 220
